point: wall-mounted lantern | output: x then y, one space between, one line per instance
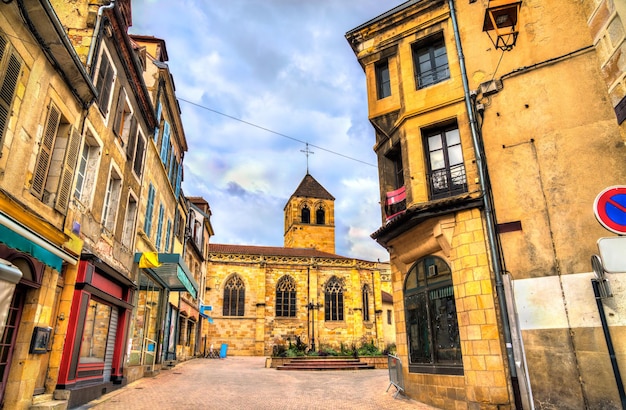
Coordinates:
501 23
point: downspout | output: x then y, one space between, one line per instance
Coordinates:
486 196
96 32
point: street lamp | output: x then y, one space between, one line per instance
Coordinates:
501 16
313 306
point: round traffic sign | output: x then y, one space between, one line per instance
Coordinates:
610 208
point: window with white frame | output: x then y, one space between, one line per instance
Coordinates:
87 170
129 221
112 200
124 123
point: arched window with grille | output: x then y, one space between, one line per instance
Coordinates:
431 319
305 215
366 302
320 215
234 296
333 298
286 297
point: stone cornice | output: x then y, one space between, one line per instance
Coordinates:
238 258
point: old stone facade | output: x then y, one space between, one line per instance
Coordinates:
491 121
262 296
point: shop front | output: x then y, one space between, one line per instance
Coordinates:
154 325
92 362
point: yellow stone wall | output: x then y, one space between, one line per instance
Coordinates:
311 235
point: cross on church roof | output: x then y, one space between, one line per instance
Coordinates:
307 151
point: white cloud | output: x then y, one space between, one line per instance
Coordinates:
285 66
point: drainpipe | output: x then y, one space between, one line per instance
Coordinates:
486 196
96 31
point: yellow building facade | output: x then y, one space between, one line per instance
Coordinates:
489 142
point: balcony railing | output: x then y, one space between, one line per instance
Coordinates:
395 203
447 182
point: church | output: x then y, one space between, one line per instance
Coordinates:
261 296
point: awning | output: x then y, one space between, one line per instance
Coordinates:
17 236
173 273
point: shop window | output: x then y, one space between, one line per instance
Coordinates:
234 297
431 318
383 82
446 170
57 158
10 69
286 297
430 61
95 332
333 298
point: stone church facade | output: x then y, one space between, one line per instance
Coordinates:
261 296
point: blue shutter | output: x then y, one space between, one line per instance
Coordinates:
179 178
159 228
166 141
147 225
167 235
156 130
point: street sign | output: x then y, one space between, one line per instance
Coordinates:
613 253
610 209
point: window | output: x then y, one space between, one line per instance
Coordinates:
446 171
87 170
383 83
389 316
366 302
305 214
320 215
168 235
58 154
234 296
10 68
286 297
104 82
431 321
124 124
165 142
395 201
147 224
333 298
112 200
137 158
129 221
430 61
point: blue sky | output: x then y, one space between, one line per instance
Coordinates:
285 66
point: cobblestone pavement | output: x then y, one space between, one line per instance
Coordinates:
245 383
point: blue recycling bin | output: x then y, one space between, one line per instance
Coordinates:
223 350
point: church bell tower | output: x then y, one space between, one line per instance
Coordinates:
310 217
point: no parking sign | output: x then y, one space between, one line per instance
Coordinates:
610 209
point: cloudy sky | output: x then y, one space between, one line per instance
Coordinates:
256 80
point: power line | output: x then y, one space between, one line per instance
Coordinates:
275 132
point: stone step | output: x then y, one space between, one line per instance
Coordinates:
49 405
325 364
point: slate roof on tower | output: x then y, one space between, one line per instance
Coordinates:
310 188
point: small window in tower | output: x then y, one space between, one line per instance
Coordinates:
320 215
305 215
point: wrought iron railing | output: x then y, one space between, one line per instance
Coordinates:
447 182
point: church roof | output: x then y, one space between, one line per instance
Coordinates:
271 251
310 188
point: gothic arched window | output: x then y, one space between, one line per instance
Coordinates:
333 300
305 215
320 215
431 321
234 296
286 297
366 303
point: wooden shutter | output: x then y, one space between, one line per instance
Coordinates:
132 138
165 142
9 85
67 173
147 225
104 83
119 113
45 151
141 145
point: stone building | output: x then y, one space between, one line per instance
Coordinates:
261 296
492 120
44 96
